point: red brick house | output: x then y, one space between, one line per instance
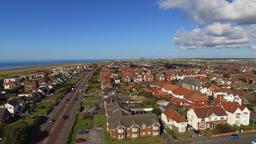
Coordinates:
122 125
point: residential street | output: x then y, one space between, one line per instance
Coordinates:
59 131
244 139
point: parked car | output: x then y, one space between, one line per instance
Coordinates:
52 120
234 136
83 131
197 132
253 142
80 140
65 116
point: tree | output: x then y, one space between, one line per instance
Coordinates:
157 111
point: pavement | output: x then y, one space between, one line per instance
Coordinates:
58 132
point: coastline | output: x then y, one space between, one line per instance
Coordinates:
16 65
13 72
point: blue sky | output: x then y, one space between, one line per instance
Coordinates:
96 29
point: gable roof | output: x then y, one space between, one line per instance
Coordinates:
130 120
190 95
171 114
232 106
189 80
205 112
167 86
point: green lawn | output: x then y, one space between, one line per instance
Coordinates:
100 120
136 141
48 102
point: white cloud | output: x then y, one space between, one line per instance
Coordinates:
216 35
210 11
224 24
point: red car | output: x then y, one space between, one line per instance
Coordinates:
80 140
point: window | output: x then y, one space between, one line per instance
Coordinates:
149 132
201 126
120 136
155 127
245 115
155 133
134 135
238 116
120 130
134 129
144 126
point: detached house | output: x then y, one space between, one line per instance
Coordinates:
191 83
237 114
15 106
174 120
10 85
207 117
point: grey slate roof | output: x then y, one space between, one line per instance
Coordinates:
119 117
189 80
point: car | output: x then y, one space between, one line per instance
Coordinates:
65 116
253 142
197 132
80 140
52 120
234 136
83 131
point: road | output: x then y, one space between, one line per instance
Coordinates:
58 131
244 139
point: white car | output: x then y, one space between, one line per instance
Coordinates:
253 142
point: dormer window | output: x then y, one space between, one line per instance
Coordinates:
144 126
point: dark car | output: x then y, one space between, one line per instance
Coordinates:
80 140
83 131
234 136
65 117
197 132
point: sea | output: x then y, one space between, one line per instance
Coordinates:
6 65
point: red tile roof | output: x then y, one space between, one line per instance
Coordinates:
172 114
207 111
167 86
232 106
190 95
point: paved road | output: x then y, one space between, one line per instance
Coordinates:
58 131
244 139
